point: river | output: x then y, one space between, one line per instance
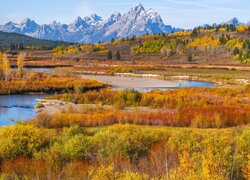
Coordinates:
17 107
21 107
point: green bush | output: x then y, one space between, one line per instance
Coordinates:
21 140
149 46
78 146
39 105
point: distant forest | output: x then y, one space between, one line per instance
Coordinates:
14 39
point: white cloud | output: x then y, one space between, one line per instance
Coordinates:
15 16
85 8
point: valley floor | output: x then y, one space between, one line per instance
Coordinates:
88 131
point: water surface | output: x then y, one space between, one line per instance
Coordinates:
17 107
44 70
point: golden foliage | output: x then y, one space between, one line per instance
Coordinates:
45 83
6 67
20 61
205 43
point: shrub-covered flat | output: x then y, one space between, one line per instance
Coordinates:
124 152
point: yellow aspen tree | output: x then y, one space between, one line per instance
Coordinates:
20 61
6 67
246 170
186 169
211 167
1 66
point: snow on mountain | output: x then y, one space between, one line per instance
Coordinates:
28 26
91 29
137 22
10 27
234 21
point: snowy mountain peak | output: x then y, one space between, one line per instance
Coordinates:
96 18
54 23
28 25
93 20
10 23
28 22
78 20
137 10
114 17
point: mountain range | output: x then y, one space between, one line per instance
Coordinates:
94 28
234 21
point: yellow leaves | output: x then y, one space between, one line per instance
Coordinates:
104 173
1 66
149 46
242 28
47 84
212 168
6 67
20 61
1 56
204 43
20 140
222 29
107 173
182 33
185 170
246 170
60 50
233 43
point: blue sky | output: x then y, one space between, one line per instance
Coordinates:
179 13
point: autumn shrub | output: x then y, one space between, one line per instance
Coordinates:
149 46
189 107
78 147
109 172
45 83
132 151
125 141
24 168
21 140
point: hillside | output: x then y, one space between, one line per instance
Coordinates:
6 39
202 46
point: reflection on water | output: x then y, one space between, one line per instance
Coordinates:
44 70
17 107
181 82
195 84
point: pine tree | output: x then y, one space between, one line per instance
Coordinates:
112 40
195 33
190 58
110 56
118 55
